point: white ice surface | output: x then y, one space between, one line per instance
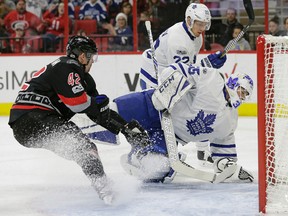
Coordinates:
36 182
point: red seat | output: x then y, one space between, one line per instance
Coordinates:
89 26
216 47
102 42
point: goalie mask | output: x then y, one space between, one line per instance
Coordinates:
81 44
198 12
239 87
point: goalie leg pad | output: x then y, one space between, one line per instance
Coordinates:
150 168
170 91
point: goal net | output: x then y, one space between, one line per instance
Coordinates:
272 78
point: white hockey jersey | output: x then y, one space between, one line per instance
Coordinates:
176 44
203 113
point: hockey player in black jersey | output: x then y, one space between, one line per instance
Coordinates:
40 116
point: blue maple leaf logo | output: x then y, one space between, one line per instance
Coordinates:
201 124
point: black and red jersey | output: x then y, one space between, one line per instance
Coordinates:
61 87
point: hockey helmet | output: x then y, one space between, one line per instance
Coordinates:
200 12
81 44
240 88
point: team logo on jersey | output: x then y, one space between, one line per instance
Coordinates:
77 88
181 52
201 124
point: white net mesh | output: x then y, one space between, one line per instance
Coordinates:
276 128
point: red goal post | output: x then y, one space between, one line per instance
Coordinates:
272 79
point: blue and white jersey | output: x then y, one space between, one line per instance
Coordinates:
203 113
97 11
176 44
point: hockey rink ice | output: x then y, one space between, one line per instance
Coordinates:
36 182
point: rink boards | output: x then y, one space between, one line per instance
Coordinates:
115 75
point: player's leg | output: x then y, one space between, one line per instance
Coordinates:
203 153
64 138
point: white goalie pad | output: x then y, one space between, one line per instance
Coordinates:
171 91
95 132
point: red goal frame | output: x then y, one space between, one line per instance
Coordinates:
266 110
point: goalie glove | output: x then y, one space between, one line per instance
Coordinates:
214 60
135 134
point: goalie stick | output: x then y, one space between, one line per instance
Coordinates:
167 126
250 12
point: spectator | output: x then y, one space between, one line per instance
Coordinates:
96 9
5 8
4 41
123 34
77 3
158 16
36 7
17 41
143 41
231 22
54 28
285 32
53 8
126 8
20 14
81 32
242 44
274 29
31 22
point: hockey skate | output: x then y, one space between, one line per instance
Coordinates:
240 175
103 187
204 158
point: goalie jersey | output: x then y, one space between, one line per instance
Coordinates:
203 113
174 45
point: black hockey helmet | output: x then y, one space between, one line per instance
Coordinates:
81 44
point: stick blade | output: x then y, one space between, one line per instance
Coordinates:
148 25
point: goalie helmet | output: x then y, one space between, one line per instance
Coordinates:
240 88
81 44
198 12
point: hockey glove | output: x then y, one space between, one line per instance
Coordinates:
135 134
104 111
214 60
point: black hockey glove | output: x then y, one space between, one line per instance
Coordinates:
104 111
135 134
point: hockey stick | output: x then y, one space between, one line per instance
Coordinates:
250 12
167 126
150 36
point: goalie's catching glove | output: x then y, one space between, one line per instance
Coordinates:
135 134
214 60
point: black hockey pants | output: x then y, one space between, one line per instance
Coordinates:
41 129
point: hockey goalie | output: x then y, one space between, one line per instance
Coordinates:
203 106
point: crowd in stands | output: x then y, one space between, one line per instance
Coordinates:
38 25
